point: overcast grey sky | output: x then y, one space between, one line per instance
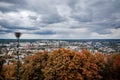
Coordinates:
60 19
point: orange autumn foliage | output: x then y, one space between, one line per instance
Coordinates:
32 68
66 64
9 72
116 66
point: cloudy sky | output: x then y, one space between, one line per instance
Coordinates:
60 19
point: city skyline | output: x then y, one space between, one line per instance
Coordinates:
55 19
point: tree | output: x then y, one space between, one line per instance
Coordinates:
116 66
62 65
66 64
91 65
2 60
32 68
9 72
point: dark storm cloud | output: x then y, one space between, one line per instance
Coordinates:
27 28
100 14
94 10
117 27
13 1
45 32
72 3
12 5
52 18
6 31
8 26
47 10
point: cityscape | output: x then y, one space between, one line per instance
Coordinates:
29 47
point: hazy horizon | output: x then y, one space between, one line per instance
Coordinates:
57 39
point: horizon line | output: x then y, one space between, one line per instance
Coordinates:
62 39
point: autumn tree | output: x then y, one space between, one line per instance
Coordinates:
91 65
64 64
112 70
33 65
116 66
9 72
